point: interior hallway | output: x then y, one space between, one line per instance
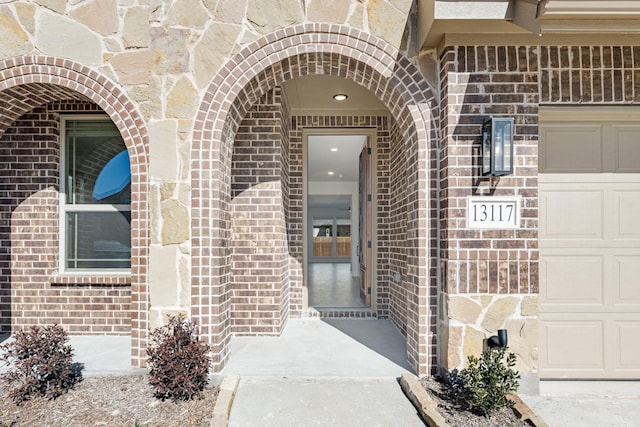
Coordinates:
331 285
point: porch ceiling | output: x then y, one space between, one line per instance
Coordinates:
313 95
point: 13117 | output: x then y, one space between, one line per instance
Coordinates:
489 212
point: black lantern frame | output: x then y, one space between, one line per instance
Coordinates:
497 146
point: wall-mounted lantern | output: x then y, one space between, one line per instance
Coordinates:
501 339
497 146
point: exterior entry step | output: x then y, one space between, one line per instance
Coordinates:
340 312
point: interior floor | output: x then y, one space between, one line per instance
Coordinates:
331 285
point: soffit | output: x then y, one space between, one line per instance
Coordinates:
439 18
596 8
591 16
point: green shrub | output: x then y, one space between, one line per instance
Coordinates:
178 361
482 388
41 363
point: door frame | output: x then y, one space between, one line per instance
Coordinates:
371 134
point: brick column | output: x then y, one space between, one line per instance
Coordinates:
489 277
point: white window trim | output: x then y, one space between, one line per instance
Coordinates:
63 207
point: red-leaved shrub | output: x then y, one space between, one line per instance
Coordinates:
178 360
41 364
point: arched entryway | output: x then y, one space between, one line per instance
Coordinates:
254 72
46 87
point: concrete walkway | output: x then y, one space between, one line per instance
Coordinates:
355 348
587 403
338 372
282 402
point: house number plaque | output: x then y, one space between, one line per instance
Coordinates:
493 212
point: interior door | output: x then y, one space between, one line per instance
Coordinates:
364 223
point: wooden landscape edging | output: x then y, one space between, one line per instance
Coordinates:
428 409
222 408
425 405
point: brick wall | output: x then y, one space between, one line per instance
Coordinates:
259 207
589 74
31 291
478 82
396 217
292 266
490 277
481 81
384 235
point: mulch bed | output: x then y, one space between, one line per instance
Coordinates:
457 417
110 401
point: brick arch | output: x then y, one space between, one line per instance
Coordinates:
306 49
31 81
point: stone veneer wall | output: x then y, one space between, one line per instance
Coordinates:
31 292
490 278
472 318
259 245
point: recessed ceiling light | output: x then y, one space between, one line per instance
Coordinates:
340 97
334 149
330 173
340 176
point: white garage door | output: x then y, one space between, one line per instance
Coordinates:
589 236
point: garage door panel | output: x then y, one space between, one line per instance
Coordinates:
571 149
572 346
572 280
626 214
625 149
627 345
626 283
571 214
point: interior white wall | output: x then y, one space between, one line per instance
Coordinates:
318 188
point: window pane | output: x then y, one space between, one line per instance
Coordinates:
98 240
90 144
322 237
344 226
322 227
344 237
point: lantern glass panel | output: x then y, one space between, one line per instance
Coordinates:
502 146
